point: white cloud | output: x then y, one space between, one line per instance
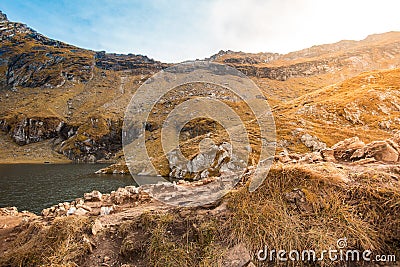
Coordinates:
285 25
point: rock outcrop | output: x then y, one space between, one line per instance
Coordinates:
30 59
138 63
312 142
98 138
116 168
284 73
214 161
31 130
96 203
8 211
351 150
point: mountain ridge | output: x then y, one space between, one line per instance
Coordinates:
77 97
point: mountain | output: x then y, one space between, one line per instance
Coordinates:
54 91
334 181
72 100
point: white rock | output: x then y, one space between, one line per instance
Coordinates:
106 210
71 211
80 211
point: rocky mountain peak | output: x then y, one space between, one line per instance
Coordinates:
3 16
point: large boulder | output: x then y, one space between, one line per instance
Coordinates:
380 150
343 150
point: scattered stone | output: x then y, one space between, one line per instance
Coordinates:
97 227
237 256
143 196
93 196
106 210
311 157
45 212
384 125
352 113
86 207
312 142
80 211
79 201
123 195
328 155
71 211
8 211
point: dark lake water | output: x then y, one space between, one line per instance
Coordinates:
34 187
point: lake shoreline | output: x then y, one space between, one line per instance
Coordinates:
32 161
34 186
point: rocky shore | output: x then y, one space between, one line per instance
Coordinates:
353 184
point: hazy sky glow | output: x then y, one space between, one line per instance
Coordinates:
173 31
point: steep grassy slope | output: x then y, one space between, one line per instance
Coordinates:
367 105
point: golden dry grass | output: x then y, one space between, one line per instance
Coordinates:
355 107
60 244
364 211
167 239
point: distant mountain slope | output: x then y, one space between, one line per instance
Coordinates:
285 77
30 59
75 98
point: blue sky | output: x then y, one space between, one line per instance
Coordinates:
173 31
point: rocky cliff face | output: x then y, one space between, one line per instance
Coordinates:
29 59
31 130
283 73
52 90
99 138
119 62
374 52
